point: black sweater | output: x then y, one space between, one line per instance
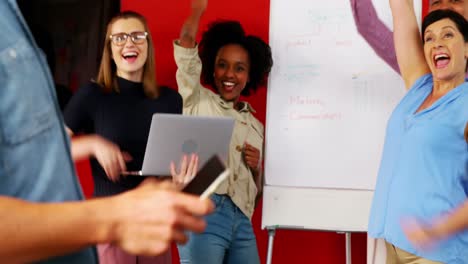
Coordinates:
123 118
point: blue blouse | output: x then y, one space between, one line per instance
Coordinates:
424 169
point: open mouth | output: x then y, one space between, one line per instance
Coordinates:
228 86
130 56
441 60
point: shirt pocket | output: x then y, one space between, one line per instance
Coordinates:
256 137
26 100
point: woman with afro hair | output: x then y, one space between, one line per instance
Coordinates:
233 64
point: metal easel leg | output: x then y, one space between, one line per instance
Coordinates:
271 237
348 247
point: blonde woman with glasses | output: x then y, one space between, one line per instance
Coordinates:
114 112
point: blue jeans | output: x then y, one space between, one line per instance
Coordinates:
228 238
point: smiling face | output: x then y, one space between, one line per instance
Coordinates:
231 71
459 6
129 57
445 50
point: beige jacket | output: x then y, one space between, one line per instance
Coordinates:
199 100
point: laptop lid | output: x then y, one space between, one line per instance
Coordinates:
172 135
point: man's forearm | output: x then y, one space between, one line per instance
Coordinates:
33 231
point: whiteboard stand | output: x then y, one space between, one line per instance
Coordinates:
334 210
348 247
271 237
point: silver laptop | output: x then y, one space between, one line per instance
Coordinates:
173 135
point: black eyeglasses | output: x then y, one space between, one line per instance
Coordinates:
120 39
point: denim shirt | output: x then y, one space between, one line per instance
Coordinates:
35 160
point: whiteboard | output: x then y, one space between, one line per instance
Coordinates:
329 99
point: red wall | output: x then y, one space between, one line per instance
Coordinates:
165 20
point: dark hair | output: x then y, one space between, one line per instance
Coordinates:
222 33
456 18
108 70
436 15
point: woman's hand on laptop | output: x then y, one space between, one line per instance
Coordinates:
110 157
187 170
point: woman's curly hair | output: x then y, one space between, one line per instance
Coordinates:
221 33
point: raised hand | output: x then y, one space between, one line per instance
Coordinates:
199 5
189 29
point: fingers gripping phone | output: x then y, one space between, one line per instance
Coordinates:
208 178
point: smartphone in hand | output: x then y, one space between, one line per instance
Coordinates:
208 178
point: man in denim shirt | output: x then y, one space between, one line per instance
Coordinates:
39 192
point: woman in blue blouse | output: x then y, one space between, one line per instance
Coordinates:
423 172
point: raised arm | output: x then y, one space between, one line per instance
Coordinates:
374 31
408 43
143 221
189 30
189 66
